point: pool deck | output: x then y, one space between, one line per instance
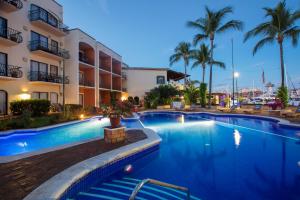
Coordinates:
19 178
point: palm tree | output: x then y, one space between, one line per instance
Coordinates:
211 25
202 57
182 51
280 25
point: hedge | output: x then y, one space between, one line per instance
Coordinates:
37 107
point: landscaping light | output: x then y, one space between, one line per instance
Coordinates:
24 96
123 98
128 168
81 116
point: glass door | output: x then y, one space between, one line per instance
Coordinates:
3 27
3 102
3 64
81 99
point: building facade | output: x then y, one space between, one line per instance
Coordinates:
137 81
41 58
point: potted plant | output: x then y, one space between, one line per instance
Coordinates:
115 111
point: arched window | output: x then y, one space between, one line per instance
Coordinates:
3 102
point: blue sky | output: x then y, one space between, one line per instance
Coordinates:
145 32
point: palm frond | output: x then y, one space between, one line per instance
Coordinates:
199 37
262 42
219 64
293 33
233 24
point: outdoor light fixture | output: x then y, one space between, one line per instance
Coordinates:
81 116
24 96
123 98
236 74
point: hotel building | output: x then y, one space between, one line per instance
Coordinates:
40 58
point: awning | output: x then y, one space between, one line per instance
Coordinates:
175 76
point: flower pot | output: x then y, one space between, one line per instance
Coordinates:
115 121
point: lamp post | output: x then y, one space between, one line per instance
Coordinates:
236 76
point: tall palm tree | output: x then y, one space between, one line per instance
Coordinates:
211 25
281 25
182 51
202 58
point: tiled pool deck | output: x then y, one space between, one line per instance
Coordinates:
19 178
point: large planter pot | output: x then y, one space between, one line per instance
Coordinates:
115 121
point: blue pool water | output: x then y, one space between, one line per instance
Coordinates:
215 157
29 141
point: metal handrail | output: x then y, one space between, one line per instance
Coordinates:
139 186
11 34
17 3
10 71
46 46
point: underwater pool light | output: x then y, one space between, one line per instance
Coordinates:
237 138
128 168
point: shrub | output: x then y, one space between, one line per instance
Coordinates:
90 110
282 94
130 99
136 100
56 107
191 94
37 107
203 91
73 109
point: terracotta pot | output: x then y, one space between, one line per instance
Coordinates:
115 121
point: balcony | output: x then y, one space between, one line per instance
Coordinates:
86 83
124 76
124 89
9 36
48 22
46 77
10 72
47 50
11 5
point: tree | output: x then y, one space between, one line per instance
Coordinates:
281 25
208 27
202 57
182 51
191 94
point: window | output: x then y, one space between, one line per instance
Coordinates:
38 40
3 64
53 70
3 102
81 97
3 27
39 95
160 80
54 46
38 71
53 97
52 20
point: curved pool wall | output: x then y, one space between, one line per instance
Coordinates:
83 174
19 144
219 156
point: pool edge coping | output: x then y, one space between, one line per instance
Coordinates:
279 121
54 187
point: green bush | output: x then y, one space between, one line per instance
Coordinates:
130 99
191 94
90 110
282 94
136 100
161 95
73 109
37 107
203 92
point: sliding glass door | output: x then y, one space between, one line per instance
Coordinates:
3 102
3 64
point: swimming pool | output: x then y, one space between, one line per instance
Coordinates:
27 141
216 157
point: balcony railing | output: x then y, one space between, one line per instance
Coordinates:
105 86
10 71
88 83
16 3
124 75
35 45
46 77
11 34
48 18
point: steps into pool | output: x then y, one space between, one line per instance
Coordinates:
121 189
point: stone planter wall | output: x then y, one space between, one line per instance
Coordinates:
114 135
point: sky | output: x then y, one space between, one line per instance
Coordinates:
145 33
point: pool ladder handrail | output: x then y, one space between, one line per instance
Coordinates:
139 186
